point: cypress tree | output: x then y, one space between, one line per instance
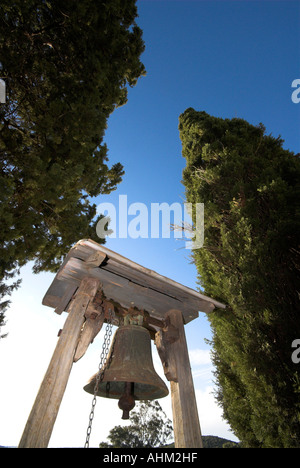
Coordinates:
250 260
66 65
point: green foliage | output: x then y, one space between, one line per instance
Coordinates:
149 427
218 442
250 187
66 65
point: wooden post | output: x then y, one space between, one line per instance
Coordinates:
172 348
40 423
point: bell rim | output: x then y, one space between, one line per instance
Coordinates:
154 392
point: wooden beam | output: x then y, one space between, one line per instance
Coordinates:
125 282
96 259
66 298
40 423
172 348
91 328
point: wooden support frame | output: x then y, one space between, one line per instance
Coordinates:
40 423
172 348
92 281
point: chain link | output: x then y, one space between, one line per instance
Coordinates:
100 374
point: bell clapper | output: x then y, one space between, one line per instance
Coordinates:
127 401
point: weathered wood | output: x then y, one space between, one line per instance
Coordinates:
127 292
163 338
125 282
91 328
116 263
96 258
120 289
66 298
125 286
175 359
40 423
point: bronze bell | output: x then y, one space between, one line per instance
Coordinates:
129 374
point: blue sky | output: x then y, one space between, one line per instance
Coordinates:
228 58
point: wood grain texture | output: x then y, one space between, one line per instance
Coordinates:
41 420
176 363
125 282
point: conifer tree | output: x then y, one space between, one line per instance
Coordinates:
66 65
250 260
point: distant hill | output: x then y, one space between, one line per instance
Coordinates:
218 442
214 442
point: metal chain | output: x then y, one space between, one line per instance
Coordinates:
100 374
